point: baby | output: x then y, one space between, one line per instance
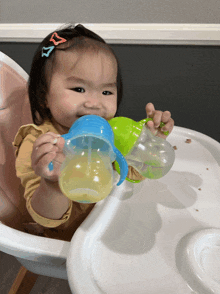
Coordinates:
74 73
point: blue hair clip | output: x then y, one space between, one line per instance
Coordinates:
48 49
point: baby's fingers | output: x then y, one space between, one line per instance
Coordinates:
151 127
166 115
40 151
41 168
46 138
149 109
167 128
60 143
57 161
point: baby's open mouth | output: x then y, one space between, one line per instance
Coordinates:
80 115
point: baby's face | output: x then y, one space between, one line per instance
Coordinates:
81 84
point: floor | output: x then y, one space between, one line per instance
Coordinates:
9 267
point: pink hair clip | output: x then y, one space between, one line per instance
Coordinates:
50 49
62 40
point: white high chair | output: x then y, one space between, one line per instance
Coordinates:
38 255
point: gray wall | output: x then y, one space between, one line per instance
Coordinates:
182 79
110 11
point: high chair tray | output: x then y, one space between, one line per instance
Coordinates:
134 241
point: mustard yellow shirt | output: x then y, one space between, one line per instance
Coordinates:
76 213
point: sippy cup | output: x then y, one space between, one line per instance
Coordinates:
86 174
151 156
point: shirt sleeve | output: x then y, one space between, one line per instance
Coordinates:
23 142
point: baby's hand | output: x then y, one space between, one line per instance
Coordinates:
46 148
158 117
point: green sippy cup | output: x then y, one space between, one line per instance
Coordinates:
151 156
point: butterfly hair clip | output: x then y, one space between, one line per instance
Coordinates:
47 50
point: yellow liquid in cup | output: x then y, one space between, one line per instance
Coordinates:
86 182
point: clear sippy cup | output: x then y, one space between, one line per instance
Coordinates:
87 174
151 156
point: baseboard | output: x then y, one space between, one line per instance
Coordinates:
159 34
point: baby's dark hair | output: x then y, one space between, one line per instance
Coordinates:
38 80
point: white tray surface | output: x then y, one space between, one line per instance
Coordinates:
128 245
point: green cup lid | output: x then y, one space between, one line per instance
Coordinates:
126 132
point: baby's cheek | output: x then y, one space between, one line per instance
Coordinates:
111 111
110 115
70 102
67 106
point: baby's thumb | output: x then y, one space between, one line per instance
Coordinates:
60 143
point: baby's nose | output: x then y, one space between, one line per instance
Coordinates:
93 101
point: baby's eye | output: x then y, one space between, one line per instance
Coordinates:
107 93
79 90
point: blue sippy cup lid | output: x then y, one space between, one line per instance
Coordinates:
91 125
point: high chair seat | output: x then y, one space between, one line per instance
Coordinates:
14 111
40 255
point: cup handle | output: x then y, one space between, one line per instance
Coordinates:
50 166
122 164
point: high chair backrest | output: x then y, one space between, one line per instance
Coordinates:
14 112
